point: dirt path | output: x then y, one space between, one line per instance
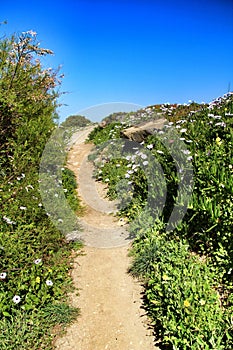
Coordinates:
109 298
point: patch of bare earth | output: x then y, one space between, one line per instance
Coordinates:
110 300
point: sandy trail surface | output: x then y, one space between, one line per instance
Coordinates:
110 300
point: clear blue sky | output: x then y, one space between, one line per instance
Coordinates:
143 52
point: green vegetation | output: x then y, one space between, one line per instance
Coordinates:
75 121
35 257
100 134
187 270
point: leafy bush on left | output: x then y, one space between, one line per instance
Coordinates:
35 258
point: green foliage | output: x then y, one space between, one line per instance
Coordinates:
187 272
35 257
181 294
100 135
26 329
69 187
76 121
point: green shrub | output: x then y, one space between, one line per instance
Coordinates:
187 273
35 257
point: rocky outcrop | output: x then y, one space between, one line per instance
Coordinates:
139 132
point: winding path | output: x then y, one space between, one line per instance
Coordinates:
110 300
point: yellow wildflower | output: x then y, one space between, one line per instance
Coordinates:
165 277
37 279
202 302
186 303
218 141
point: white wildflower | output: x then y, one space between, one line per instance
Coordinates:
22 208
149 146
37 261
2 275
16 299
8 221
49 283
185 151
143 156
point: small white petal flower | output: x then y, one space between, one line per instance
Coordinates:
49 283
149 146
8 221
23 208
37 261
2 275
16 299
185 151
143 156
145 162
183 130
158 151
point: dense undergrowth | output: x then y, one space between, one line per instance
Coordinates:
187 270
35 257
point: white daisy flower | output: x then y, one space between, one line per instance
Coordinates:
149 146
49 283
16 299
37 261
2 275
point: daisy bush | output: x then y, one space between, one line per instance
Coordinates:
186 269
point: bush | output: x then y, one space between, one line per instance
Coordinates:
35 258
187 270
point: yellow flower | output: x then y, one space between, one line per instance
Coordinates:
37 279
218 141
165 277
186 303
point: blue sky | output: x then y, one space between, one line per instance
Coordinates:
140 52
